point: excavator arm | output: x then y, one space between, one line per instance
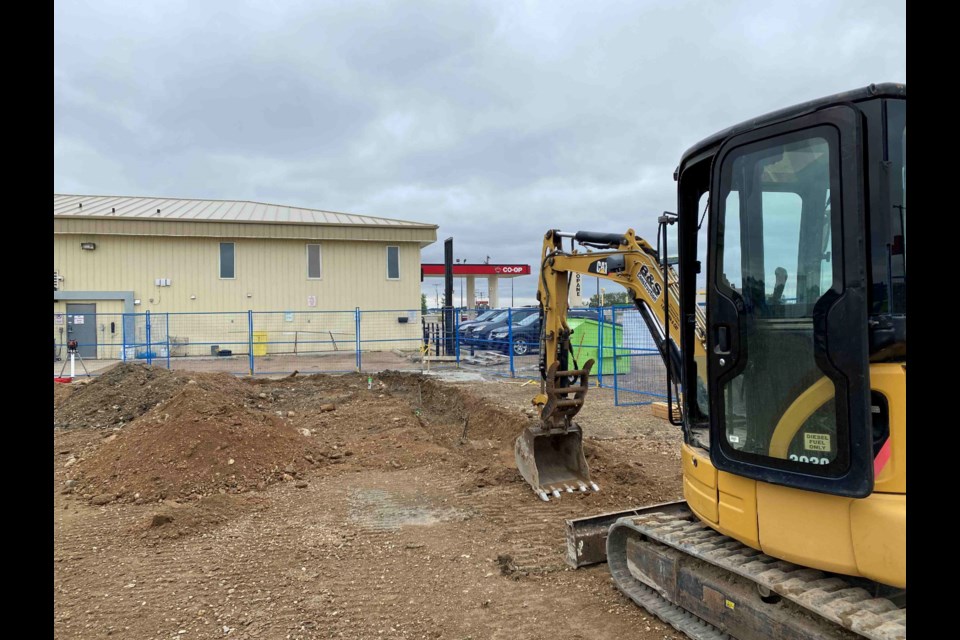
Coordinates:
625 259
550 454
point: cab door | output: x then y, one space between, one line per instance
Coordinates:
787 306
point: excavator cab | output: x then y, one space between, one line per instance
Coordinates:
793 522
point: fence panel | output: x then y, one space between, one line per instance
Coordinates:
639 374
502 342
305 341
442 348
391 339
484 343
204 341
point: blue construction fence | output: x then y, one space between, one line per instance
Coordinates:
616 338
502 342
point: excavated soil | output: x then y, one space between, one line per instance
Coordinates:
125 392
196 443
393 511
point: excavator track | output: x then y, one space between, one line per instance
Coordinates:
710 586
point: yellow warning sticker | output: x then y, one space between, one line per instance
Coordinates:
730 604
816 441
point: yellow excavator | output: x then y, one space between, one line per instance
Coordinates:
790 387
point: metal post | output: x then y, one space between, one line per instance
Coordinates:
513 373
456 333
73 370
123 337
616 384
168 340
448 321
600 348
250 339
356 312
149 353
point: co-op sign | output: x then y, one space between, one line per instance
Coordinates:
462 269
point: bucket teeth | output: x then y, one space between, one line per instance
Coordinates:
594 486
568 488
583 487
543 496
556 493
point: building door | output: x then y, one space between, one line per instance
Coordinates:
82 327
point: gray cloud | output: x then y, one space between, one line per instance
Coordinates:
495 120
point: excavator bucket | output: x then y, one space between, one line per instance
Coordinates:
549 454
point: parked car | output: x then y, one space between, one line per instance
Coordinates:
483 317
525 334
479 334
469 331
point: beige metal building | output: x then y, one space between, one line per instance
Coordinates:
115 255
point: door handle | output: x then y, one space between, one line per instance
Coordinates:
723 339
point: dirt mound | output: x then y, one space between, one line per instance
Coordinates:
197 443
476 429
61 392
307 394
442 403
125 392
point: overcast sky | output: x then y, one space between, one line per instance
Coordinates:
494 120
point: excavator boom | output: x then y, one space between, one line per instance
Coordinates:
549 454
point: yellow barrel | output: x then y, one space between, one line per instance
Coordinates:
259 343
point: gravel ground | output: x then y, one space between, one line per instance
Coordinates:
400 528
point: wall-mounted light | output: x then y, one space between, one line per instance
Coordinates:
88 246
249 295
193 297
137 301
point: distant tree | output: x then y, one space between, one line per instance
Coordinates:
423 303
609 299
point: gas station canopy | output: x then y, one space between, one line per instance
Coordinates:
492 272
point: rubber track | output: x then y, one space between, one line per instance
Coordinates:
674 615
826 595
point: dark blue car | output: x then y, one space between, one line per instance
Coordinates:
479 334
525 334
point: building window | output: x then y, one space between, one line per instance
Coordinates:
314 268
393 263
227 260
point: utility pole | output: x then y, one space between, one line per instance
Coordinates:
511 288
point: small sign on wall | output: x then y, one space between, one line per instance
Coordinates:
77 319
58 318
311 301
